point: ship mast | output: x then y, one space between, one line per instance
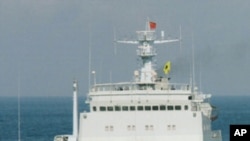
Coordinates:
146 51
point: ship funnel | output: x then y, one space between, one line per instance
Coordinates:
75 110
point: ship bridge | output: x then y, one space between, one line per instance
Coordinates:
147 88
138 87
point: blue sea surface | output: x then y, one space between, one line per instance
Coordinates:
44 117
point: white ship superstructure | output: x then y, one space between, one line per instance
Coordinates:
148 109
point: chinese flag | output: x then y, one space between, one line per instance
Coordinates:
152 25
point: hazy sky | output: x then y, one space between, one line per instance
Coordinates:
45 43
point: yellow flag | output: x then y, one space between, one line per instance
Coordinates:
167 67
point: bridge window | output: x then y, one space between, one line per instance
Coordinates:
117 108
132 108
170 108
147 108
94 108
155 108
125 108
177 107
110 108
162 107
139 108
102 108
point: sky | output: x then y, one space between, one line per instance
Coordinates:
44 44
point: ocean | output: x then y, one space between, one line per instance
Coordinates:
44 117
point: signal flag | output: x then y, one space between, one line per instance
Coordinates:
167 67
152 25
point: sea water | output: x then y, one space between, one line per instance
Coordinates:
42 118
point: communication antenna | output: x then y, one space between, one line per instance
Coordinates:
110 76
90 46
90 49
115 48
200 76
193 63
180 40
94 76
100 71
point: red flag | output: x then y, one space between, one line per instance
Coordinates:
152 25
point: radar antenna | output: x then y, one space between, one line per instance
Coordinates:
115 47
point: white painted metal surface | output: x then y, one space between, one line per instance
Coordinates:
148 109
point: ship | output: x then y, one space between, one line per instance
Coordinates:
149 108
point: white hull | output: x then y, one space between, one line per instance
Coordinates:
145 126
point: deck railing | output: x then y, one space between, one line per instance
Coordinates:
139 86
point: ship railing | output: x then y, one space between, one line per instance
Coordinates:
138 87
114 87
